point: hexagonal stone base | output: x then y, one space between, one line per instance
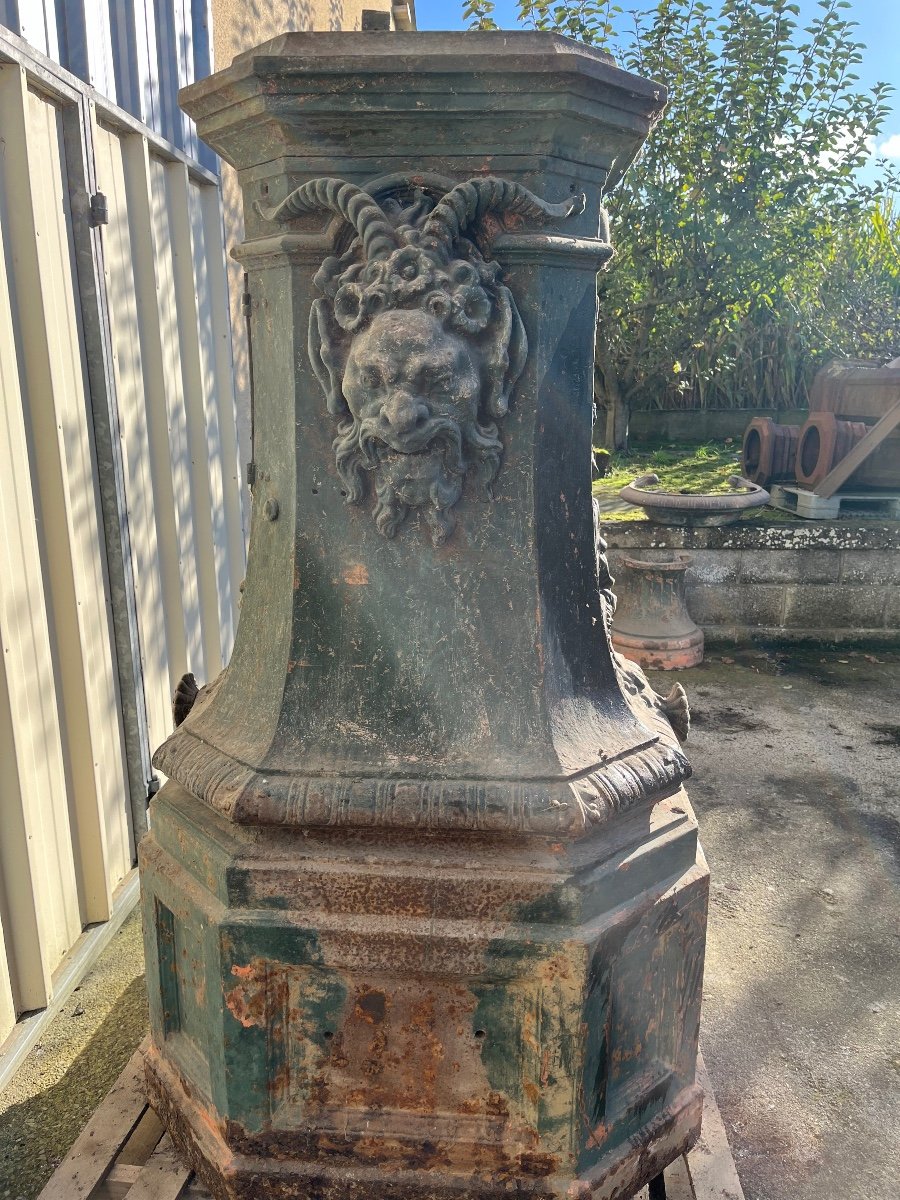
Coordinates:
383 1014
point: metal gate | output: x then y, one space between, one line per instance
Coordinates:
121 528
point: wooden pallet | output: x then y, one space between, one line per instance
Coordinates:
124 1152
814 507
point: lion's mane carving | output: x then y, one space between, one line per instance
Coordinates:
417 344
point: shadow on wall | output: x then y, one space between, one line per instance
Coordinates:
239 25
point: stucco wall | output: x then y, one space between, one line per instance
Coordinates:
239 25
831 581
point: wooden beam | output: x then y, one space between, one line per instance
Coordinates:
164 1176
860 452
711 1166
101 1139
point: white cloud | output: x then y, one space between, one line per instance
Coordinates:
891 147
848 141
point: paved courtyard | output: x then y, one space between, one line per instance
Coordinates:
797 788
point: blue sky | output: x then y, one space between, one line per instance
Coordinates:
879 30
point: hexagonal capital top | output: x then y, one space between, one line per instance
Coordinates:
489 98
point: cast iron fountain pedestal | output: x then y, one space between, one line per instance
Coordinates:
423 898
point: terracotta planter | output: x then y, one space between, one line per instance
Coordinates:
652 626
769 452
825 439
855 391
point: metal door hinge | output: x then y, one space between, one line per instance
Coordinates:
99 210
246 304
251 474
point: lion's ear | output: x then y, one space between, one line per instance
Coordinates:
328 356
504 355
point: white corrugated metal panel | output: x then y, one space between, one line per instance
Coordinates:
57 412
136 53
164 270
38 887
133 396
121 531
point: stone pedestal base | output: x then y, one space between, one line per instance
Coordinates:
381 1014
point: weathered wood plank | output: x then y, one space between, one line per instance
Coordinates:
860 452
163 1178
143 1141
118 1183
678 1181
99 1142
712 1170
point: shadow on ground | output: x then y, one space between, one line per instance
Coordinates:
72 1068
796 763
795 785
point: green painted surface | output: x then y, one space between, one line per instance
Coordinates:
428 945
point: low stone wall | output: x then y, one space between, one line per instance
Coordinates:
830 581
656 426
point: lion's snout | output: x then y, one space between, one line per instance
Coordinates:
403 412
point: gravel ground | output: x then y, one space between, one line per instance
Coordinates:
797 788
78 1059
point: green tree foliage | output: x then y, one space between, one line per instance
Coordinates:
747 249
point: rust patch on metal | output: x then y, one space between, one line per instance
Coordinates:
260 995
538 1164
356 576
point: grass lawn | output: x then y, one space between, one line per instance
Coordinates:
702 468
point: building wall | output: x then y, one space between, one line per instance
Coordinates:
238 25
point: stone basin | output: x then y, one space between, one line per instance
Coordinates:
694 508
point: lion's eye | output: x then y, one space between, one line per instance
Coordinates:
370 377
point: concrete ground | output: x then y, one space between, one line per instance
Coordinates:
73 1066
797 788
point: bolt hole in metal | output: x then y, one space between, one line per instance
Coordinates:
315 491
328 1035
480 1034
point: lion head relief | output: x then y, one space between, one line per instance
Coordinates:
417 345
